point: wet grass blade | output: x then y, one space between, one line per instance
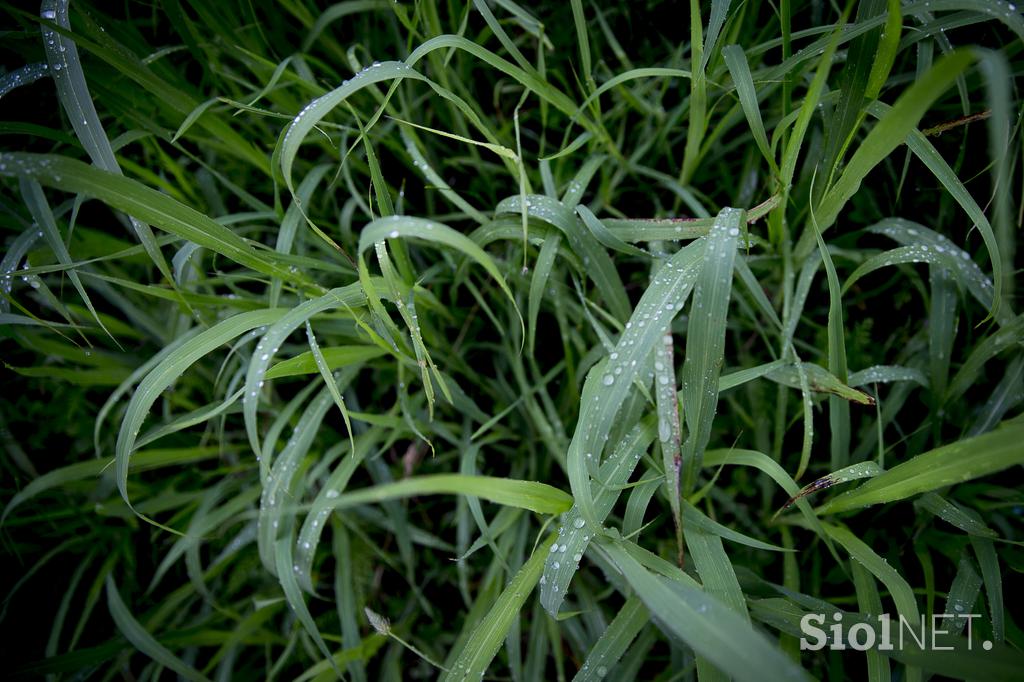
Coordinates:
705 345
705 624
961 461
142 640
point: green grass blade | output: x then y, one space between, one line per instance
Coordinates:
479 650
614 641
960 461
709 627
142 640
705 343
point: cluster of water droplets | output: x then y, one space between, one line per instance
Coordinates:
668 411
53 42
570 536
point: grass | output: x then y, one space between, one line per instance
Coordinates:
460 340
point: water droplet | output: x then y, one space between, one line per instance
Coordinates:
608 380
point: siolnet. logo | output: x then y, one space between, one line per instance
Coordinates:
942 632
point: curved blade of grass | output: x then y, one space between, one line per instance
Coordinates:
146 204
337 11
142 640
290 224
764 463
142 461
954 463
952 513
69 78
598 265
925 246
926 152
25 75
168 371
320 510
696 519
402 226
198 416
606 236
14 255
